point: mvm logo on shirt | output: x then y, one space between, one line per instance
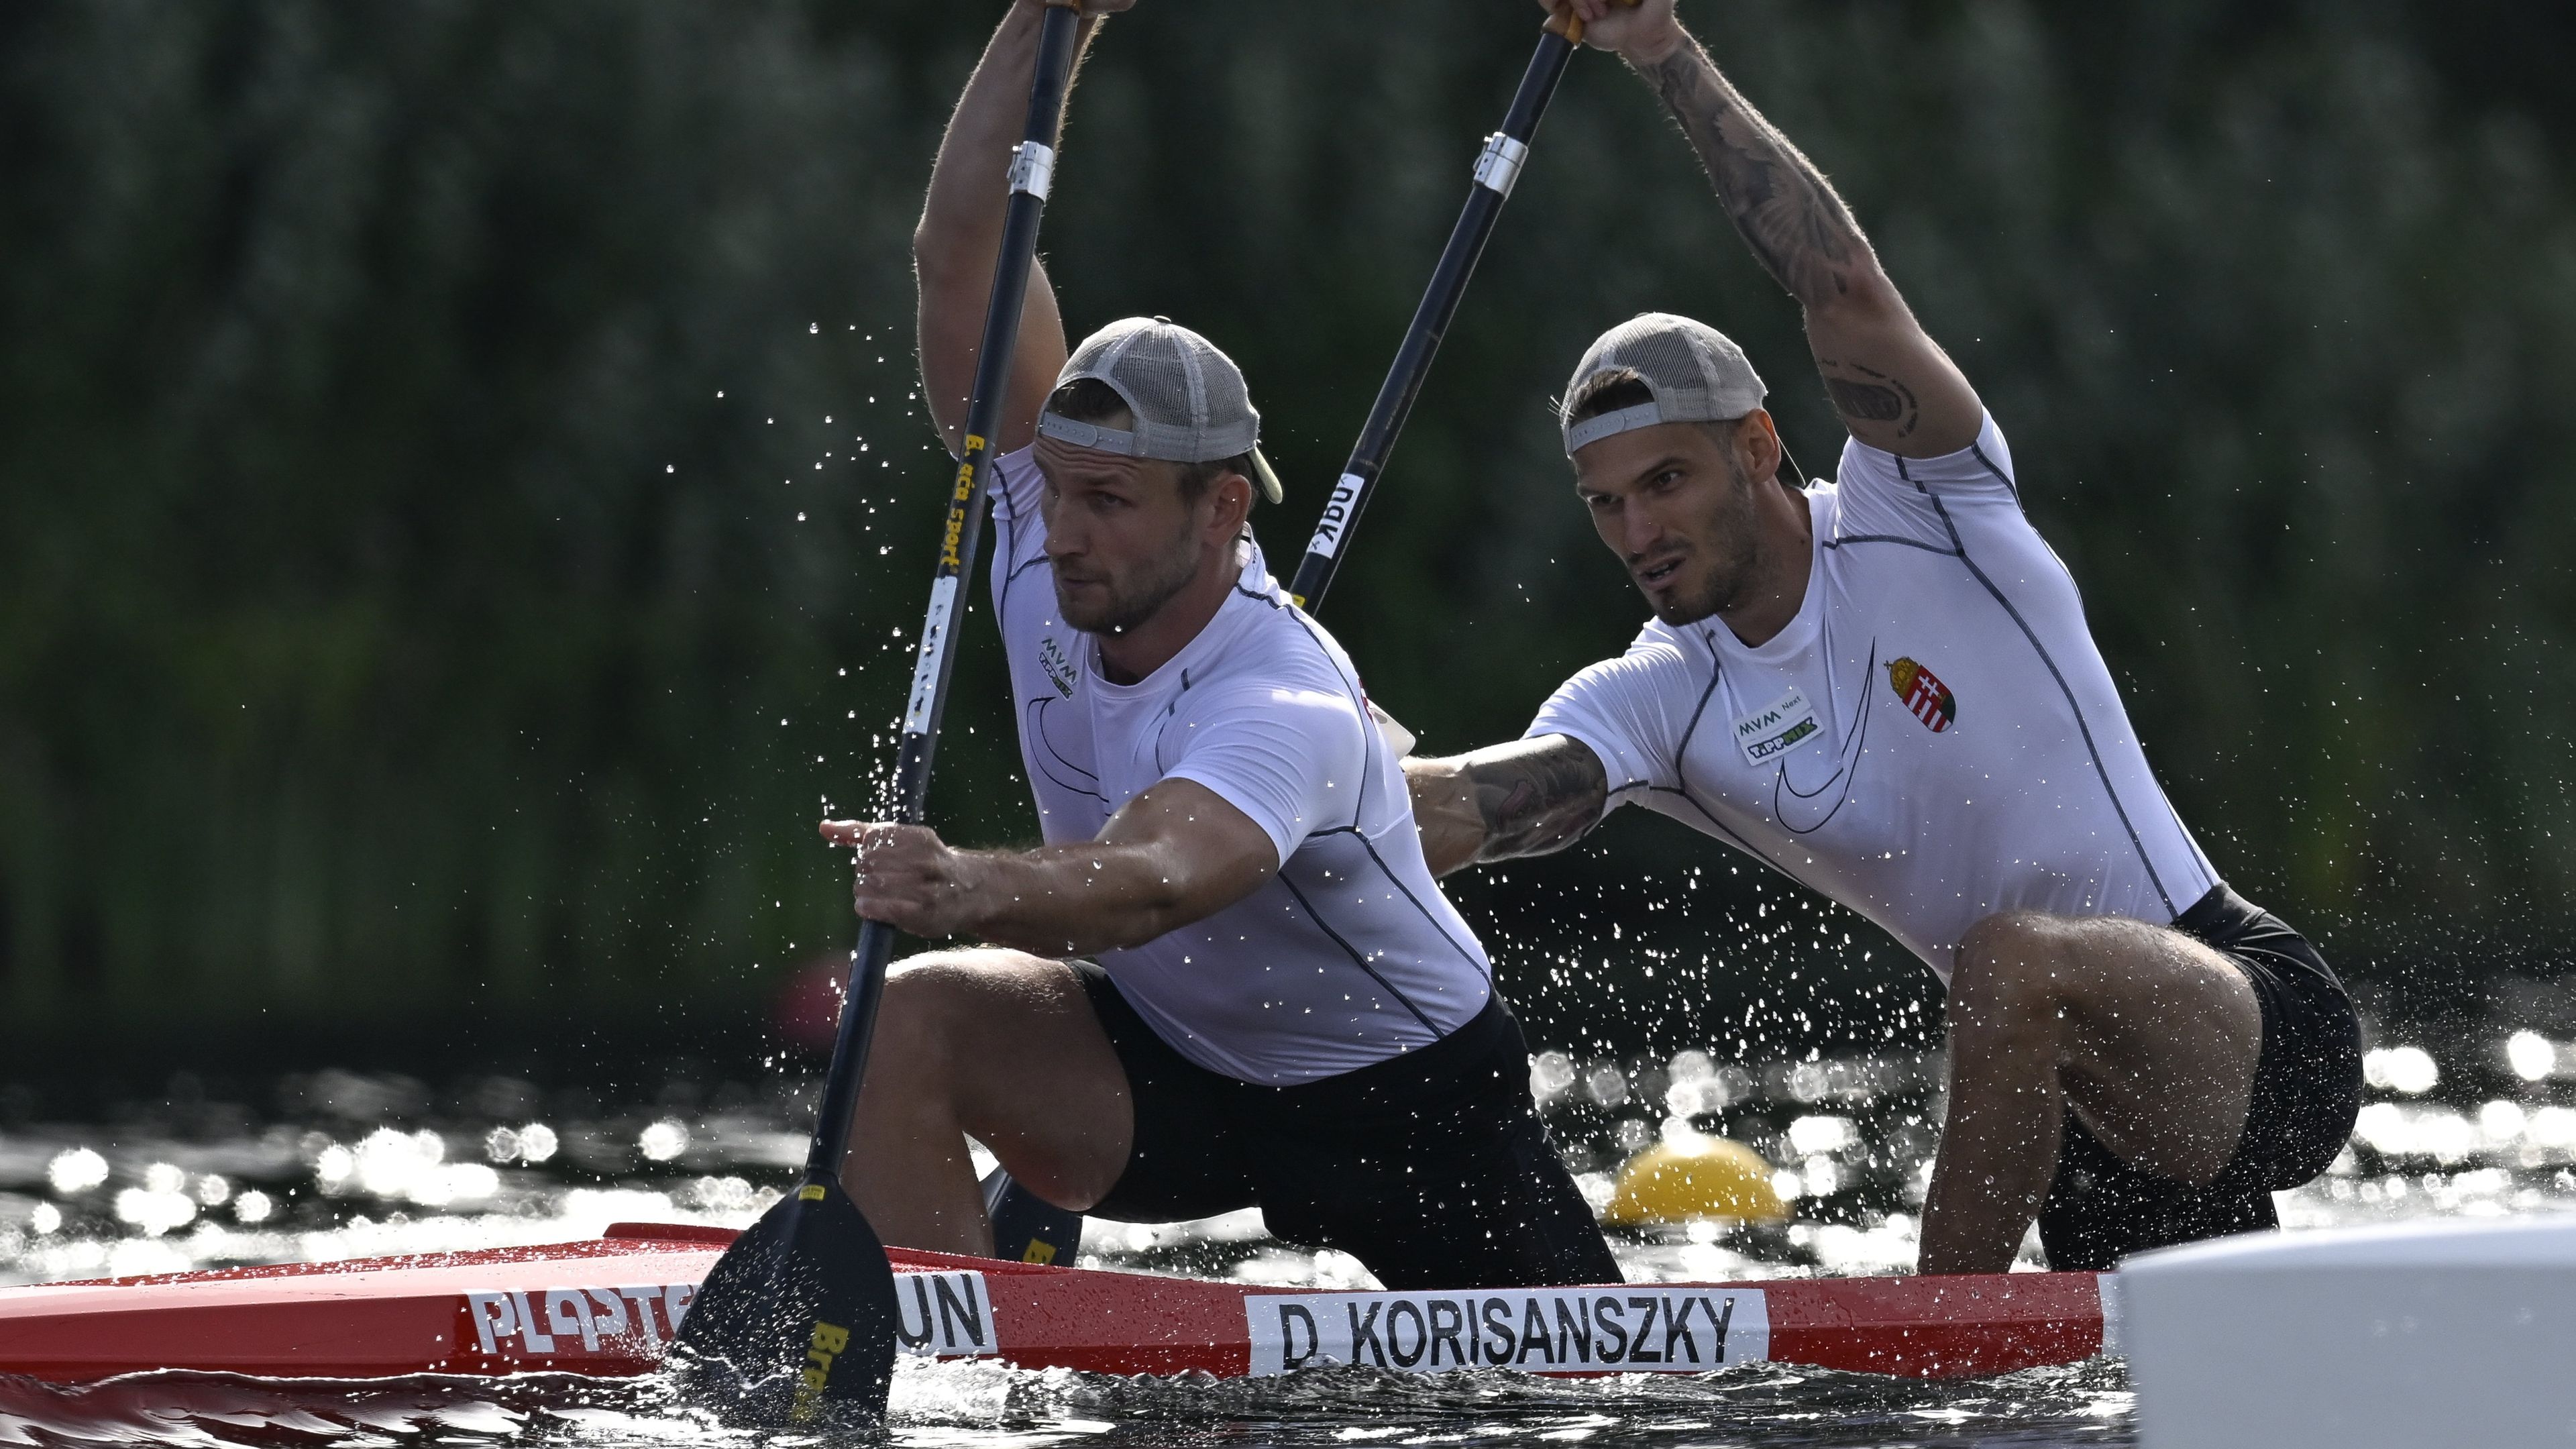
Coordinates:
1572 1330
1059 669
1924 694
1777 730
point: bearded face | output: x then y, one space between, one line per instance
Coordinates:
1123 535
1102 592
1677 507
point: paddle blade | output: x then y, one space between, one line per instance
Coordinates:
1026 1227
795 1324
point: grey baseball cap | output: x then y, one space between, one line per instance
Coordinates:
1186 398
1695 374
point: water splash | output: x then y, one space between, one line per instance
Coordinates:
965 1405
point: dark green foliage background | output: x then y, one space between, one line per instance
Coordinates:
451 451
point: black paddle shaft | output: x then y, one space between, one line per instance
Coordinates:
796 1324
1032 169
1023 1221
1497 167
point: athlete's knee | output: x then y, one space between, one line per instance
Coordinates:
2012 974
928 1006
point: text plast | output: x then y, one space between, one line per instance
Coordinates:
937 1315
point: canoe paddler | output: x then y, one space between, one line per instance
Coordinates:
1884 688
1227 979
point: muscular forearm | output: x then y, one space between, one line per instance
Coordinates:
961 218
1177 853
960 232
1527 797
1782 205
1444 811
1071 900
1892 384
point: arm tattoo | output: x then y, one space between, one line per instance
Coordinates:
1789 215
1537 795
1865 400
1787 212
1873 397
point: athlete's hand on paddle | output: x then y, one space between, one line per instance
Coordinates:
795 1326
907 877
1641 31
1179 852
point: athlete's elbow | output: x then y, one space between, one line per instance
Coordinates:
1183 908
930 257
1155 908
1544 833
1445 853
1126 939
1861 295
944 268
1185 893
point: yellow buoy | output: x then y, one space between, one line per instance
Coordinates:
1716 1177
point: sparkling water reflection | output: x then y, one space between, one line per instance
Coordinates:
348 1164
960 1403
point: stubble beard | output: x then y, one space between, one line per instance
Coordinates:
1133 600
1736 549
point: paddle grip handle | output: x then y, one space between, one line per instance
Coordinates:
962 533
1570 25
1497 168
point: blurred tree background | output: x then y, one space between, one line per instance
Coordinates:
463 509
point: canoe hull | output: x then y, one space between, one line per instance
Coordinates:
610 1307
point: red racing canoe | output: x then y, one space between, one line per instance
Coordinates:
610 1306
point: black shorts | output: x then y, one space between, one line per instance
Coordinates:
2307 1091
1432 1168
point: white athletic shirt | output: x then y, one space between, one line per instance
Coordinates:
1350 955
1933 739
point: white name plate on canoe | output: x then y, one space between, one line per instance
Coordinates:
937 1315
943 1315
1535 1330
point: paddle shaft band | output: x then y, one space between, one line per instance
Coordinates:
1497 167
1032 166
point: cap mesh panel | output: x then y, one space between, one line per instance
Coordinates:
1188 397
1670 365
1695 373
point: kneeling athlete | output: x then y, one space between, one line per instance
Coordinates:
1280 1008
1884 688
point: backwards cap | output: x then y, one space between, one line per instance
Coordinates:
1693 372
1185 397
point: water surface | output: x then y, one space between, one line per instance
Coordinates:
346 1164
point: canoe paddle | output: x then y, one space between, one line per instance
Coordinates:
796 1323
1497 167
1026 1227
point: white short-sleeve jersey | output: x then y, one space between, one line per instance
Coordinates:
1350 955
1933 739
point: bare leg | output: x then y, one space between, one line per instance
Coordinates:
995 1043
2151 1035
